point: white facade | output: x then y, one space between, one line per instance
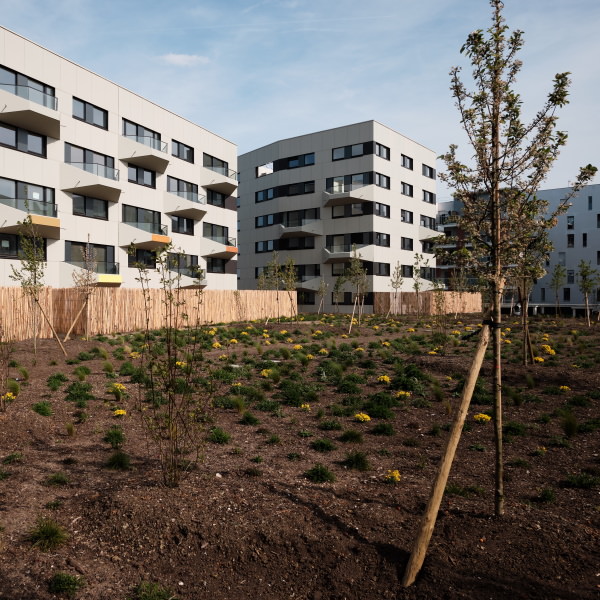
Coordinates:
316 196
576 237
90 160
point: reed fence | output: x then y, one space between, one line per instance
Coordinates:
430 303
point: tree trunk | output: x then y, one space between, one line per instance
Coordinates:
587 309
421 543
497 386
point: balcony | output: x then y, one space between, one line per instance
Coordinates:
144 151
220 247
90 179
43 217
107 273
183 204
301 228
308 282
191 277
30 108
348 194
221 180
344 252
425 233
146 236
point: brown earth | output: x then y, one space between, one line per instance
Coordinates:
238 528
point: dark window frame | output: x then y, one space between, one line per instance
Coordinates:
88 113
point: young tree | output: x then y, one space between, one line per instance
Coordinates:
419 264
587 280
356 275
289 276
321 291
396 282
501 212
557 280
271 278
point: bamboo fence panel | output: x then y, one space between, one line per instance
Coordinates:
17 314
406 303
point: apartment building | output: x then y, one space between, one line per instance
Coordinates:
316 197
97 166
575 237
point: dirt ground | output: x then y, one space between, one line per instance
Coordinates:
248 523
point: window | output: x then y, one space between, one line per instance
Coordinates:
406 216
306 297
338 269
182 188
265 169
182 151
407 162
264 221
406 243
429 172
35 199
295 243
264 195
382 239
143 135
598 220
217 233
216 198
94 208
25 87
347 183
141 176
146 258
570 240
598 257
570 276
216 164
294 162
10 246
103 256
142 218
382 181
428 197
182 225
22 140
567 294
590 203
407 271
94 115
310 271
350 210
570 222
215 265
351 151
381 269
428 222
184 264
407 189
293 189
562 259
264 246
427 247
93 162
543 294
584 240
381 210
382 151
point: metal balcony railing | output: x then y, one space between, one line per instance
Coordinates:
191 196
33 94
344 247
97 169
149 141
298 222
224 171
350 187
149 227
34 207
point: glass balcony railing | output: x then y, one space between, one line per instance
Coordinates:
224 171
97 169
341 188
191 196
221 239
148 141
29 93
108 268
344 247
193 271
149 227
34 207
299 222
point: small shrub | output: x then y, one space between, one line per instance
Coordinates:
293 456
82 372
545 496
218 436
330 425
477 447
58 479
12 458
152 591
53 504
70 429
86 356
356 460
47 534
63 583
351 436
583 481
273 439
569 423
453 489
55 381
115 437
514 428
304 433
119 461
320 474
24 373
13 386
4 475
253 472
520 463
249 419
323 445
43 408
108 367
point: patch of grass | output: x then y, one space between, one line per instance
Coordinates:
582 481
273 439
514 428
356 460
520 463
58 478
320 474
114 436
12 458
304 433
13 386
477 447
330 426
468 491
249 419
383 429
43 408
47 534
351 436
4 475
53 504
569 425
293 456
151 591
119 461
65 584
322 445
218 436
56 380
253 472
546 496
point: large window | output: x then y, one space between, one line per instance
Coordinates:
216 198
90 113
347 183
94 208
407 189
406 216
182 151
429 171
217 233
182 188
351 151
407 271
142 218
36 199
103 256
26 87
141 176
22 140
182 225
294 162
428 197
264 246
570 240
145 258
570 222
10 246
428 222
292 189
407 162
382 151
216 164
406 243
93 162
382 181
143 135
381 210
184 264
215 265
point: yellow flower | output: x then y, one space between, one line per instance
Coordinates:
538 359
8 397
244 333
375 327
410 329
344 336
482 418
386 344
467 328
212 332
305 407
362 417
265 335
393 476
402 394
216 345
310 356
455 332
222 356
359 349
548 350
236 384
564 388
181 364
119 412
134 354
432 353
384 378
317 332
283 331
297 347
324 351
233 341
266 372
267 343
507 341
507 329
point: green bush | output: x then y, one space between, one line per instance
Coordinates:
218 436
351 436
119 461
63 583
320 474
356 460
58 479
249 419
152 591
383 429
43 408
330 426
323 445
55 381
47 534
114 436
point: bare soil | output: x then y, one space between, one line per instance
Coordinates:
245 527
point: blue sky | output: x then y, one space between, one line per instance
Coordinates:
255 71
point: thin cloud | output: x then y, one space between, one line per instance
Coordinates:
184 60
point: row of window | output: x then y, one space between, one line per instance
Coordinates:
291 218
571 240
21 85
281 191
